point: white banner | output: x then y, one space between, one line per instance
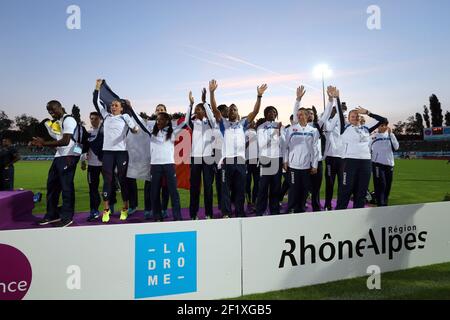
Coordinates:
215 259
290 251
179 260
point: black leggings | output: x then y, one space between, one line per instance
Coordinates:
382 182
355 180
333 169
111 161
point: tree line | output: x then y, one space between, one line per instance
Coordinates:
414 125
24 127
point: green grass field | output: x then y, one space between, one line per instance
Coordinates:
430 282
415 181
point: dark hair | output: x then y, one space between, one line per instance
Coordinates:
291 117
54 104
384 122
201 106
161 105
260 121
222 107
168 118
94 113
269 108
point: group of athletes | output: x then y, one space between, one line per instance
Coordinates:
252 160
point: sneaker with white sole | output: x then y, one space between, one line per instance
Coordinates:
63 224
45 221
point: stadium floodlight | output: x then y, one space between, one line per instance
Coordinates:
322 71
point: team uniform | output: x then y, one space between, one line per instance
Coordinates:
357 161
301 154
270 144
334 152
316 179
383 147
162 152
115 154
61 175
202 162
94 170
233 165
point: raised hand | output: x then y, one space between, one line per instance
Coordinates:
330 92
98 84
191 98
204 95
300 93
213 85
362 110
261 89
336 93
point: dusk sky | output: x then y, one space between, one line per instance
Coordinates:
156 51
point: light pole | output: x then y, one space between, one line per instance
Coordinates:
322 71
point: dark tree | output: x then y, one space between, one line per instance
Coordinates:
426 116
411 126
399 128
5 122
28 125
436 111
447 119
419 123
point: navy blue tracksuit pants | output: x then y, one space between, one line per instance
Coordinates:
60 181
111 161
201 167
382 182
93 177
132 192
233 180
284 186
269 190
148 196
333 169
355 180
299 185
251 190
157 172
316 183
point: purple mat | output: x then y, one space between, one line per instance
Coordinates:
30 222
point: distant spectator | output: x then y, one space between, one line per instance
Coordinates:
9 156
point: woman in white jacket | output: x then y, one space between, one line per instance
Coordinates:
301 157
384 143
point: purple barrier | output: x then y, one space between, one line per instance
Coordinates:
15 207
